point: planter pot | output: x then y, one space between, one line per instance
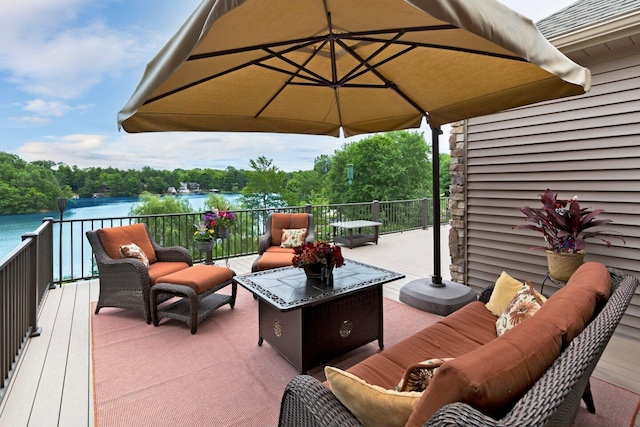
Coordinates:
319 272
563 265
222 232
204 246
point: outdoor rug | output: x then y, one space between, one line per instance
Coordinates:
164 376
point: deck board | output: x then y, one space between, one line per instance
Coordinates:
52 383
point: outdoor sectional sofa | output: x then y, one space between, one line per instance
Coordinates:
533 375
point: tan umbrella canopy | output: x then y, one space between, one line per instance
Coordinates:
363 66
315 66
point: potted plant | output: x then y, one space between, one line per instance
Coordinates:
317 259
222 220
564 225
204 234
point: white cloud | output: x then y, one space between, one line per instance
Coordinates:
48 51
31 119
45 109
175 150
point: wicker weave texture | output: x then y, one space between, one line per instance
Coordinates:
124 282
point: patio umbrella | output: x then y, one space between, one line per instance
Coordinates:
360 66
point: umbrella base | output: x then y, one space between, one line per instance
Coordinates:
443 300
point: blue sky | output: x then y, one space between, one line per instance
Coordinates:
68 66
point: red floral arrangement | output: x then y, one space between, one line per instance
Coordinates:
317 253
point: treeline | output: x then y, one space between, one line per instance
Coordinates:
389 166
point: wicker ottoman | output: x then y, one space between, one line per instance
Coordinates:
197 287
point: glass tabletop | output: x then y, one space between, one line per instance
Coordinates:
288 288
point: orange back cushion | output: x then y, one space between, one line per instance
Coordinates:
573 306
492 377
113 237
280 221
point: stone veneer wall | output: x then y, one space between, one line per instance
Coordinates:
457 205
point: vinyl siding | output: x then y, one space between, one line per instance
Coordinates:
587 146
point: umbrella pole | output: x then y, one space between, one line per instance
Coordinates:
435 295
436 277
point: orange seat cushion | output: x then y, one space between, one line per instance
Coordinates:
275 259
163 268
281 221
200 278
113 237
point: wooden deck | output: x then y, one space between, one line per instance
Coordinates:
52 383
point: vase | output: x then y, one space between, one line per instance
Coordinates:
204 246
563 264
222 232
319 271
313 271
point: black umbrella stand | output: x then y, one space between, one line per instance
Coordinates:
436 296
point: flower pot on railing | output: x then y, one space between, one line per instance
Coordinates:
563 264
204 246
222 232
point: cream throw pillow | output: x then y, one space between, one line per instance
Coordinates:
524 305
373 405
133 251
293 237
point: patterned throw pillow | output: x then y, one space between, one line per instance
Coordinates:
524 304
293 237
133 251
418 376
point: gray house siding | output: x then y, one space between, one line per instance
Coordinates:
587 146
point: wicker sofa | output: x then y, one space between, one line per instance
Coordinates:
498 383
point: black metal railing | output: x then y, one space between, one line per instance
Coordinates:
25 274
41 261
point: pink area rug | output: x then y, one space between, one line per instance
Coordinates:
164 376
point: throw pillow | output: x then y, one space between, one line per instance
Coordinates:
133 251
293 237
373 405
525 304
503 292
418 376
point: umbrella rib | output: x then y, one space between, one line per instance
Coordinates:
313 40
275 95
347 76
236 68
334 71
442 47
389 83
298 66
384 61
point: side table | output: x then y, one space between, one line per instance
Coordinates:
548 278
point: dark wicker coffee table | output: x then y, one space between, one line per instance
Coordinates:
310 323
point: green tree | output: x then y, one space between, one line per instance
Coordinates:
28 187
445 174
264 186
170 230
390 166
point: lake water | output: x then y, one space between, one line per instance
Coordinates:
12 227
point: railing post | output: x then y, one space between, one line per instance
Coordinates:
32 283
375 211
308 208
425 214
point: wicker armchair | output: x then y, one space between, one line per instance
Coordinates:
552 401
270 254
126 282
